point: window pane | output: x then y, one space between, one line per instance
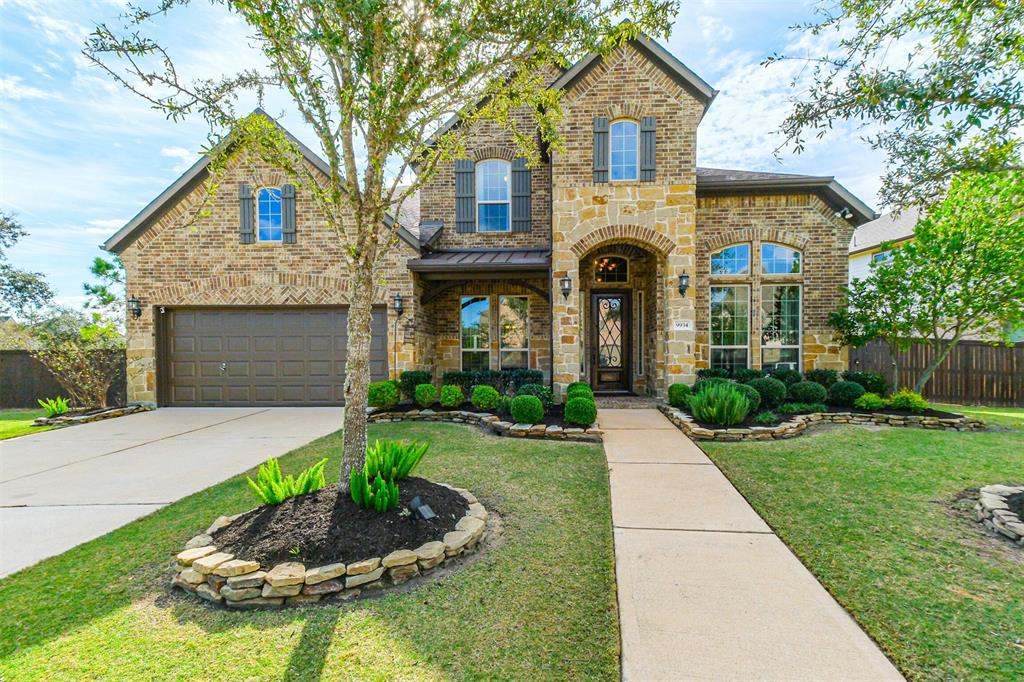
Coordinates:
780 315
729 316
476 323
268 214
513 322
732 260
492 180
492 217
779 260
728 358
611 269
475 360
515 359
772 358
623 150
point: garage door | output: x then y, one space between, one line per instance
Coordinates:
247 356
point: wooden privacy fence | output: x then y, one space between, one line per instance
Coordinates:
23 380
975 373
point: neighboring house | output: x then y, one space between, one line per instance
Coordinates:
615 261
866 245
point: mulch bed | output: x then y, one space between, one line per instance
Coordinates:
553 417
749 421
327 529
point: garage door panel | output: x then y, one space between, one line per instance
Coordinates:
238 344
211 344
292 344
239 394
183 344
265 344
319 343
265 368
211 394
319 368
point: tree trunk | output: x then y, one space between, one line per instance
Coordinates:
940 355
357 373
894 371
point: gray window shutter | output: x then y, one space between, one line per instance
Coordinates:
647 154
465 195
246 225
288 214
600 149
522 218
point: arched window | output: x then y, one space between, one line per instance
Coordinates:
732 260
779 260
268 214
492 195
624 145
611 269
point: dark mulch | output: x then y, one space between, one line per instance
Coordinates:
328 529
554 417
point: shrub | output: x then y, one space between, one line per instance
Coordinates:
771 390
579 389
581 411
381 495
527 409
753 397
801 408
807 392
383 394
720 404
870 401
392 460
426 395
514 379
845 393
504 405
702 384
678 395
766 417
501 381
543 393
464 380
271 487
825 377
712 373
54 406
485 397
786 376
452 396
905 399
744 375
410 379
873 382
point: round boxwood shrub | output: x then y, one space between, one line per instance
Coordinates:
712 373
745 375
527 409
870 401
578 389
753 397
485 397
543 393
905 399
845 393
581 411
703 384
678 395
873 382
771 390
786 376
426 395
451 395
382 394
807 392
825 377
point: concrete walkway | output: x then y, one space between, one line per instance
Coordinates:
61 488
706 590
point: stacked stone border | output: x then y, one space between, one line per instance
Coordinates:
801 422
494 424
994 512
237 583
94 416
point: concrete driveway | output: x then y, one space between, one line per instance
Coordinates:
61 488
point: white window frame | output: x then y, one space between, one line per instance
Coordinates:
462 348
883 256
744 272
798 252
799 326
490 202
711 345
280 198
501 348
636 150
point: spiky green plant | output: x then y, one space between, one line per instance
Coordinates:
272 487
54 406
392 460
381 495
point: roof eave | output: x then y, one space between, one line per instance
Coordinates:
833 192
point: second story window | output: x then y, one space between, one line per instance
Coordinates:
732 260
492 195
268 214
624 150
779 260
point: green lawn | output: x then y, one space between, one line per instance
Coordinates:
19 422
871 513
1005 417
539 605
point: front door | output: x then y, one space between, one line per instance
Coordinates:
610 347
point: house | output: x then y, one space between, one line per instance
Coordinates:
866 244
615 260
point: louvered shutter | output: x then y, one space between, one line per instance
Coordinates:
522 219
465 196
288 214
647 152
246 234
600 149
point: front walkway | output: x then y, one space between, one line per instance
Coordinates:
706 590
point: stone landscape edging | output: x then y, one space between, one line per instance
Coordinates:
236 583
994 513
108 413
493 423
799 423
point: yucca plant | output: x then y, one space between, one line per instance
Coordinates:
272 487
393 460
54 406
720 404
381 495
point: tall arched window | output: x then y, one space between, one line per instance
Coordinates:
268 214
624 145
779 260
732 260
492 195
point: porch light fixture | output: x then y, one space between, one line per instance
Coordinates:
565 284
684 283
134 307
399 307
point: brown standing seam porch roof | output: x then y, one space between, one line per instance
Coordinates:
482 263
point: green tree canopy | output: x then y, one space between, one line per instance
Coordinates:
21 291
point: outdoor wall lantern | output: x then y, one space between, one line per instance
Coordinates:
134 307
684 283
565 284
399 307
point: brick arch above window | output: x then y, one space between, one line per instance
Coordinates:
629 110
636 235
498 152
756 234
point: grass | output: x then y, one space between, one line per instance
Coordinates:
539 605
19 423
1005 417
874 515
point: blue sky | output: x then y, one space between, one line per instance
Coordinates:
79 156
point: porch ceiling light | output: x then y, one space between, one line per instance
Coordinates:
684 283
399 306
565 284
134 307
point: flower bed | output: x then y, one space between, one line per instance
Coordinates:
493 423
1000 510
90 416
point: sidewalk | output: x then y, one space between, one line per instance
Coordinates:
706 590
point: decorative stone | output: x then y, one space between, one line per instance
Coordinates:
430 554
176 581
364 566
191 554
239 594
288 573
302 599
364 578
322 573
347 595
455 541
401 574
236 567
400 557
283 590
220 522
471 525
192 576
209 562
247 580
208 593
216 581
201 540
257 603
477 510
468 496
325 587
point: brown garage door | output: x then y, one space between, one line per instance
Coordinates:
257 356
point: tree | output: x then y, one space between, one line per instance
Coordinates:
84 353
107 295
375 81
943 79
21 291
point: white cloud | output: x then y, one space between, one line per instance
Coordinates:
185 157
105 225
12 88
714 30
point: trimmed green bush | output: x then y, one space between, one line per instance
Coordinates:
272 487
702 384
678 394
504 406
393 459
543 393
712 373
873 382
786 376
745 375
426 395
801 408
870 401
410 379
527 409
581 411
825 377
771 390
766 418
485 398
721 404
753 397
383 394
807 392
845 393
578 389
905 399
452 396
499 380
